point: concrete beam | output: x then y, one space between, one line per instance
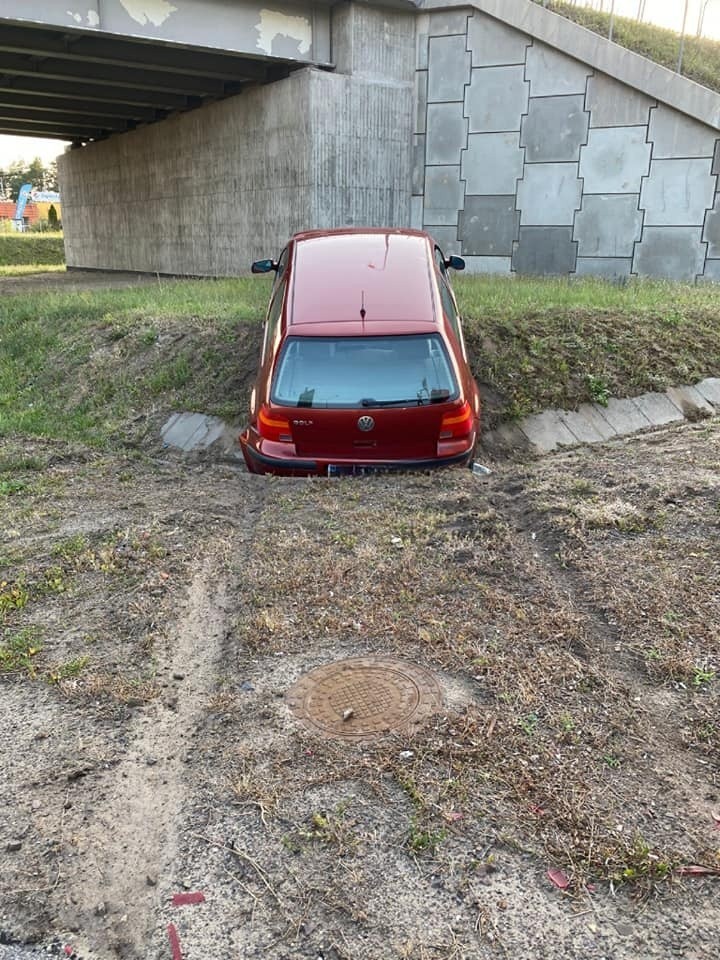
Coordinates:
71 120
51 131
123 53
97 93
126 76
39 104
575 41
298 31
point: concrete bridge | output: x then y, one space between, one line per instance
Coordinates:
207 131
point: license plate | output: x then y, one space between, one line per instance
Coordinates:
352 470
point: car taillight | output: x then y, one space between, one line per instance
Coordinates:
457 424
272 427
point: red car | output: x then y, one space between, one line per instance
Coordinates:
363 365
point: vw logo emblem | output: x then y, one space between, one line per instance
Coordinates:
365 424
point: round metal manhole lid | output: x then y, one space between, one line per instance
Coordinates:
365 697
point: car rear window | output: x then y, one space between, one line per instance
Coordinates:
363 371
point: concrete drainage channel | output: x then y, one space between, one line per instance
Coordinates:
540 432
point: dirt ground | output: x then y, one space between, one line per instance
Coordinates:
154 612
60 281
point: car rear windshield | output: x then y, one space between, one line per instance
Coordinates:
363 372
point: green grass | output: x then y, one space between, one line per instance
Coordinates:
701 57
23 249
558 343
83 365
102 367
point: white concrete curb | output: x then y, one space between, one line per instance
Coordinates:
593 423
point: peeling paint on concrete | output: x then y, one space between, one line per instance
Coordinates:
93 20
274 24
77 17
149 11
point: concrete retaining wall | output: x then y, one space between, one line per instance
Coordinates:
527 160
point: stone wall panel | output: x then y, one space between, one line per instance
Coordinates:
493 43
496 99
613 104
545 250
448 69
615 160
677 192
608 225
711 233
609 268
552 74
444 195
446 133
549 194
554 129
492 163
674 135
675 253
488 226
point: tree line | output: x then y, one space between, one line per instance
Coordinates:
15 174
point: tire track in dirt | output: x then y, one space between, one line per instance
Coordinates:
129 840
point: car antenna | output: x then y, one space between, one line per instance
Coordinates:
362 308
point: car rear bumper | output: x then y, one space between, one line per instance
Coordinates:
261 462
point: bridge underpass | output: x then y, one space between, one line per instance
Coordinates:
207 131
210 130
81 76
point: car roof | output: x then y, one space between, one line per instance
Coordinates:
337 273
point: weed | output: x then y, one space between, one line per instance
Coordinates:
10 487
529 723
420 840
17 652
332 829
611 761
13 596
641 864
67 670
701 676
71 548
598 390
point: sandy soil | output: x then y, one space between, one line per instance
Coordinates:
160 608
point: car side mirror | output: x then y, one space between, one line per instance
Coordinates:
455 263
264 266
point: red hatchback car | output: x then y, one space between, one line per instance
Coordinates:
363 365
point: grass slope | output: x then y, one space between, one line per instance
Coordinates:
103 366
701 57
31 248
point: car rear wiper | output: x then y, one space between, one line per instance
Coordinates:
411 402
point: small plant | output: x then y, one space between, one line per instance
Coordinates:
529 723
71 548
702 676
55 580
13 596
598 390
65 671
332 829
611 761
10 487
18 651
567 724
420 840
642 865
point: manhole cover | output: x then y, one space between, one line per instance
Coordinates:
365 697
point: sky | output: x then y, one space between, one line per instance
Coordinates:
27 148
666 13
